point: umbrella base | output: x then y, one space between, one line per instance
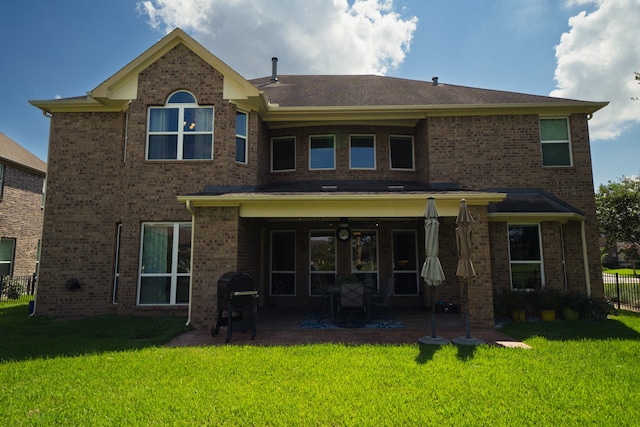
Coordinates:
433 340
468 341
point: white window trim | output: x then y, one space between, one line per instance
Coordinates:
245 137
174 264
541 262
276 138
180 132
373 136
334 152
567 141
413 153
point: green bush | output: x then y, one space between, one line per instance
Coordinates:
11 288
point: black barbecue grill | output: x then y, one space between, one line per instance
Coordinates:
237 295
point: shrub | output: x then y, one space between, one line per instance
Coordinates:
11 288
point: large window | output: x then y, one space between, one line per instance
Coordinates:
525 257
7 250
401 152
322 154
283 263
362 152
283 154
554 138
322 261
165 263
405 262
181 130
241 136
364 255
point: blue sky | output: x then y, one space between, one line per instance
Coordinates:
580 49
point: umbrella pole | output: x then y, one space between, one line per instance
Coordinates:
433 311
466 316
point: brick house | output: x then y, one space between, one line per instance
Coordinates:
176 170
22 177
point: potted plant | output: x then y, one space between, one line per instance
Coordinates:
574 304
515 302
549 301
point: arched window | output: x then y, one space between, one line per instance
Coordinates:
180 130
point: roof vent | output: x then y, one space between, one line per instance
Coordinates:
274 69
435 81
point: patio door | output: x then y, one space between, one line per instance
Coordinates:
405 262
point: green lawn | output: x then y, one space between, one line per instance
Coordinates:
112 372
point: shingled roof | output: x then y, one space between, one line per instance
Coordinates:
15 153
372 90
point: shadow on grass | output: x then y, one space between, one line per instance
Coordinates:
427 351
25 337
626 326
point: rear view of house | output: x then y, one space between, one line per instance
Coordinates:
22 177
177 170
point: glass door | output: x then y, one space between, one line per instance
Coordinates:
405 262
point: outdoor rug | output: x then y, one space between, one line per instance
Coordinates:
315 321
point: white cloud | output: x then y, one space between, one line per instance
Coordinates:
596 60
308 37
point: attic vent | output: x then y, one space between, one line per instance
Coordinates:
435 81
329 187
274 69
395 187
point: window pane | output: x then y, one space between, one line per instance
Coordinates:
554 130
362 152
556 154
322 249
241 123
321 152
364 251
241 151
525 276
184 248
283 284
163 147
406 284
155 290
182 97
163 120
182 290
284 154
198 119
156 249
524 243
283 251
197 147
401 149
404 250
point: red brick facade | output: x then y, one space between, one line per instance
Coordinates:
99 178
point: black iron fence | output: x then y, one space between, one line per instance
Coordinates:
623 290
17 288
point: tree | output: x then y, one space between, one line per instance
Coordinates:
618 212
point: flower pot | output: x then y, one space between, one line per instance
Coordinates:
569 314
518 315
548 315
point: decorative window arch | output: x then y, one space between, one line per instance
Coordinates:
180 130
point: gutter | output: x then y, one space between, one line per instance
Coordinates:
193 220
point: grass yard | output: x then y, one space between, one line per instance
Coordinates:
107 371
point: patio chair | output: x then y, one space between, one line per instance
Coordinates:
381 301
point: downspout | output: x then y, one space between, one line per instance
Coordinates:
193 222
564 258
587 277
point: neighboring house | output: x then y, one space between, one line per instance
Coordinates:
176 170
22 177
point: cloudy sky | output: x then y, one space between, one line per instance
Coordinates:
580 49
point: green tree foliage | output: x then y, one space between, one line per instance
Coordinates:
618 212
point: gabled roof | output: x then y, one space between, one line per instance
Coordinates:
13 152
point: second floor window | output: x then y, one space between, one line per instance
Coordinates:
554 137
401 152
283 154
181 130
241 136
362 152
322 153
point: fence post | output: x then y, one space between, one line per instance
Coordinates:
618 290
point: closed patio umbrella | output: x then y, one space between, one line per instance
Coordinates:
465 270
432 269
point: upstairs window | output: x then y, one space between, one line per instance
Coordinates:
181 130
401 152
322 152
241 136
362 152
554 138
283 154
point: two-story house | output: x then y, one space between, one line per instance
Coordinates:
22 177
176 170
